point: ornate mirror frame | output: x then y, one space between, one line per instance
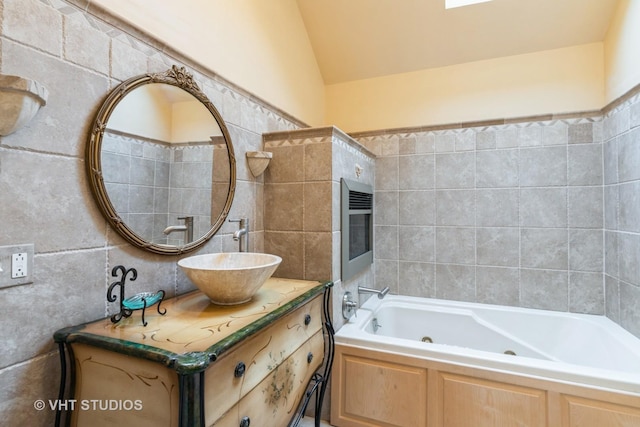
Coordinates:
180 78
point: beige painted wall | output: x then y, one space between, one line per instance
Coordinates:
554 81
262 46
622 61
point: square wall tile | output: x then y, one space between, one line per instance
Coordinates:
543 166
497 168
544 248
498 247
416 244
455 282
455 170
498 285
543 207
455 245
544 289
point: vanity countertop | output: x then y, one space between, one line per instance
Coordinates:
194 332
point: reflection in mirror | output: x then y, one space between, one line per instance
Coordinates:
167 166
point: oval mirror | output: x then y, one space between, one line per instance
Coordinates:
161 164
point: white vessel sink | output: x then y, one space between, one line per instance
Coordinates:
230 277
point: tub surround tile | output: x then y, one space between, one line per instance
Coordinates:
497 207
455 282
416 244
386 207
629 316
585 164
612 298
455 245
386 173
416 172
455 170
455 207
628 256
497 168
629 206
498 285
544 289
543 166
417 278
543 207
611 253
585 250
585 207
544 248
586 293
416 207
498 247
386 242
611 208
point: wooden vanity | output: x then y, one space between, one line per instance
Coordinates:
200 364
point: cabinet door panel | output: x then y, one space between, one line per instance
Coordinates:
473 402
579 412
382 393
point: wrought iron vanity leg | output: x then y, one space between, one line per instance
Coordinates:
63 382
191 405
319 381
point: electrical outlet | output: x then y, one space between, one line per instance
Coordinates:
19 265
16 265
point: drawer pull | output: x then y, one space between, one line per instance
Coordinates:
309 357
307 319
239 371
245 422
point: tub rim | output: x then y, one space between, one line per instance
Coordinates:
353 333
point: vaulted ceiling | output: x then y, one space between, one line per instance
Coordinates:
360 39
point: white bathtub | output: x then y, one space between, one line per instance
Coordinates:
565 347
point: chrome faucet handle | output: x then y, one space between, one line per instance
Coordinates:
349 306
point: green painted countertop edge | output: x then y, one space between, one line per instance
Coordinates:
186 363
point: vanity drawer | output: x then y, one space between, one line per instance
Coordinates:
236 373
274 400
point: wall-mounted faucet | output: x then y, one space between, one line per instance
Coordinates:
187 228
242 234
381 294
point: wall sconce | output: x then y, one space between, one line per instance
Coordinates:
20 100
258 161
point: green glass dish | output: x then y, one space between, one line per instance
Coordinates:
137 301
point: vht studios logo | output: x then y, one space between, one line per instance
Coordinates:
89 405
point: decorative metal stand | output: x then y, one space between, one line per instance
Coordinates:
319 382
139 301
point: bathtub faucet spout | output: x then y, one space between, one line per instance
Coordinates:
381 294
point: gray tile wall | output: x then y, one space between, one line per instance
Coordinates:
622 213
46 200
506 213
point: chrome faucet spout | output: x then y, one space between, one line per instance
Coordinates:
381 293
187 228
170 229
242 234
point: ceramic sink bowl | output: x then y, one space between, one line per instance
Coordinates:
230 277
